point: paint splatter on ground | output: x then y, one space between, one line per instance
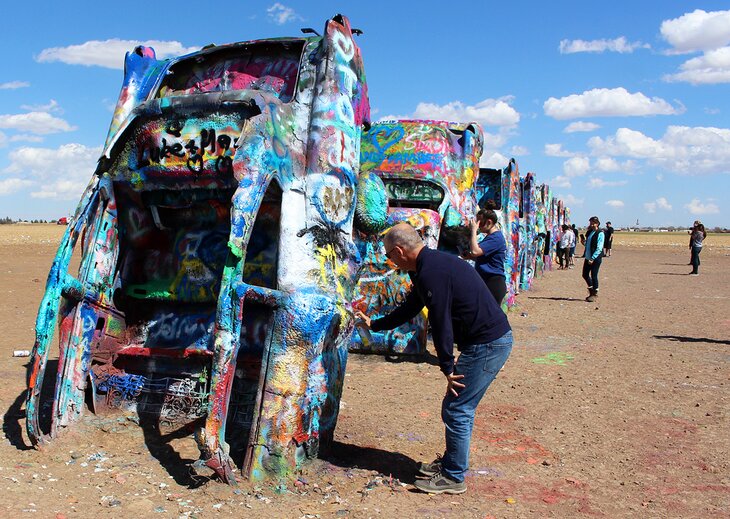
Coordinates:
556 358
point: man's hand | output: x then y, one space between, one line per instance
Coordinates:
473 225
453 384
364 318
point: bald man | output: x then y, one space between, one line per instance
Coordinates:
461 310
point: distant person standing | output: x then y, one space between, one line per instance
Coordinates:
489 254
593 255
563 252
572 247
695 245
609 240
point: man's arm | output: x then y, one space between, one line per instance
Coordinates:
406 311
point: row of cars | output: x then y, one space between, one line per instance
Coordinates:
231 229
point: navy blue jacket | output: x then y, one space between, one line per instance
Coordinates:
461 308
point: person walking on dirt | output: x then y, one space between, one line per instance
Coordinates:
695 246
461 310
593 253
608 240
489 254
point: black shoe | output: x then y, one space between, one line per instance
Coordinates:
440 484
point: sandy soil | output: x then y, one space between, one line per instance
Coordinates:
615 409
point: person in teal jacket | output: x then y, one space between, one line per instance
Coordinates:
593 255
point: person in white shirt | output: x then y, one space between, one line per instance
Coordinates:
564 244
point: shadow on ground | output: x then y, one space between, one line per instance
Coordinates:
346 455
679 338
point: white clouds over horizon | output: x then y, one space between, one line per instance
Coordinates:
696 207
620 44
616 204
605 102
682 149
660 203
60 173
109 53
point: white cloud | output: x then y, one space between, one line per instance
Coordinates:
493 160
13 85
41 123
605 102
660 203
581 126
13 185
698 208
50 107
606 164
597 183
616 204
519 150
571 200
619 44
489 112
61 172
281 14
576 167
109 53
561 181
712 67
698 30
682 149
660 177
556 150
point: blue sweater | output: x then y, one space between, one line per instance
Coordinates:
491 263
460 307
594 253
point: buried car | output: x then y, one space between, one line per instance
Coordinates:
216 254
427 171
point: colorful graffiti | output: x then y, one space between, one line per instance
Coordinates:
218 263
528 231
511 229
427 170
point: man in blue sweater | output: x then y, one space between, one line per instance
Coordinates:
463 311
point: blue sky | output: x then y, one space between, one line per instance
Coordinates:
623 107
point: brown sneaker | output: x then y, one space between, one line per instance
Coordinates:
440 484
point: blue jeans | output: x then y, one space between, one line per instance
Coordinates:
479 364
590 273
696 259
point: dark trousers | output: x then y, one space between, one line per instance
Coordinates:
590 273
560 253
497 286
696 259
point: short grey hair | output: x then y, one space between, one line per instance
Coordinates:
404 236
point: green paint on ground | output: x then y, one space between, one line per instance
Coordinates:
556 358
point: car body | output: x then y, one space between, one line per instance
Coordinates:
217 262
427 170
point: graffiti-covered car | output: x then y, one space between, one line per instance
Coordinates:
427 171
217 262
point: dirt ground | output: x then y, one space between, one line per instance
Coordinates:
614 409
